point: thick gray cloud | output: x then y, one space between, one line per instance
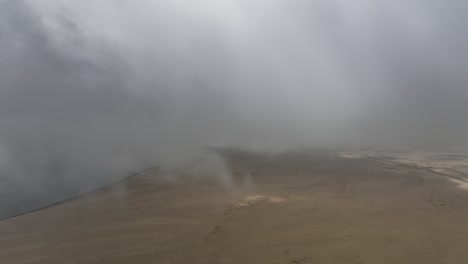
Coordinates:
93 90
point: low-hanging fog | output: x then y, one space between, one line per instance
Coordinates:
91 91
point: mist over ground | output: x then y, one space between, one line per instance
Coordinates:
91 91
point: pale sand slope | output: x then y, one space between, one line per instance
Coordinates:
301 208
452 164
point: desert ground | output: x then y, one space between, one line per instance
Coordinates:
299 207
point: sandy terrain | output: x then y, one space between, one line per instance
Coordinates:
294 208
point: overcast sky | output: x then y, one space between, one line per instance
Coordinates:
92 90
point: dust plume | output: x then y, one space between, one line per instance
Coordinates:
91 91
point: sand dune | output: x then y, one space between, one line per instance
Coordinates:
297 208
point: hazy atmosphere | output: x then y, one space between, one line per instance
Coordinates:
93 91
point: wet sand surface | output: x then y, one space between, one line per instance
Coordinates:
292 208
